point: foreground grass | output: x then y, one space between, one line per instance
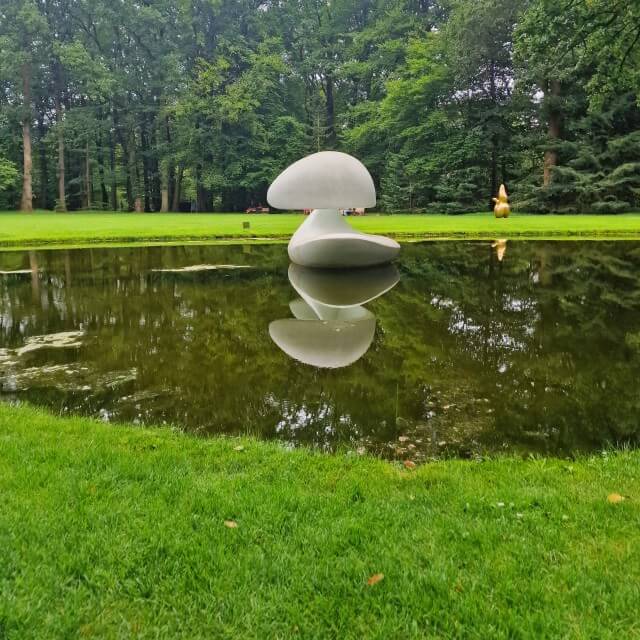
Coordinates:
45 228
112 532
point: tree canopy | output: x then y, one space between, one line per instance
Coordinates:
196 105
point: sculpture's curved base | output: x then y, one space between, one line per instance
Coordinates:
325 240
348 288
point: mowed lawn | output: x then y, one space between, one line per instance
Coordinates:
46 228
121 532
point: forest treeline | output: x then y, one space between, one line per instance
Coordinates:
180 105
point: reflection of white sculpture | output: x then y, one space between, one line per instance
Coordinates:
337 343
329 181
330 328
342 289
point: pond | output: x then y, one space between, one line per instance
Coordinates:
460 349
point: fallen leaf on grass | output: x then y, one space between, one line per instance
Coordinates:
409 464
231 524
615 498
375 578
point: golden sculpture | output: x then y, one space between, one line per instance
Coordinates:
502 208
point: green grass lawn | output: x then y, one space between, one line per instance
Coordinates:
119 532
42 228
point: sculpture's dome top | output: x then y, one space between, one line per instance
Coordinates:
325 180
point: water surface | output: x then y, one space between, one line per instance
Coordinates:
524 346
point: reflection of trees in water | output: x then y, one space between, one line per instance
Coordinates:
469 351
542 337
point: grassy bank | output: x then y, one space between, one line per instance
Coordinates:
112 532
43 228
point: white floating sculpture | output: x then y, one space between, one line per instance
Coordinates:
331 328
328 181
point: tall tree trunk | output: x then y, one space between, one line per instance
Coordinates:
62 197
26 203
494 138
87 176
494 170
555 127
164 207
135 177
169 183
129 187
112 161
138 206
331 110
202 199
113 197
199 195
103 187
127 139
43 195
171 179
175 206
134 199
144 148
164 187
155 178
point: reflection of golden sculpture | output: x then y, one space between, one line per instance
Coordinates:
501 247
502 208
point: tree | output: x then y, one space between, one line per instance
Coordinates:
8 174
583 115
479 49
166 105
22 41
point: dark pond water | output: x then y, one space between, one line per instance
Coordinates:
453 352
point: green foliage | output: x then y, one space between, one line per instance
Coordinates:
207 101
599 168
9 178
8 174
